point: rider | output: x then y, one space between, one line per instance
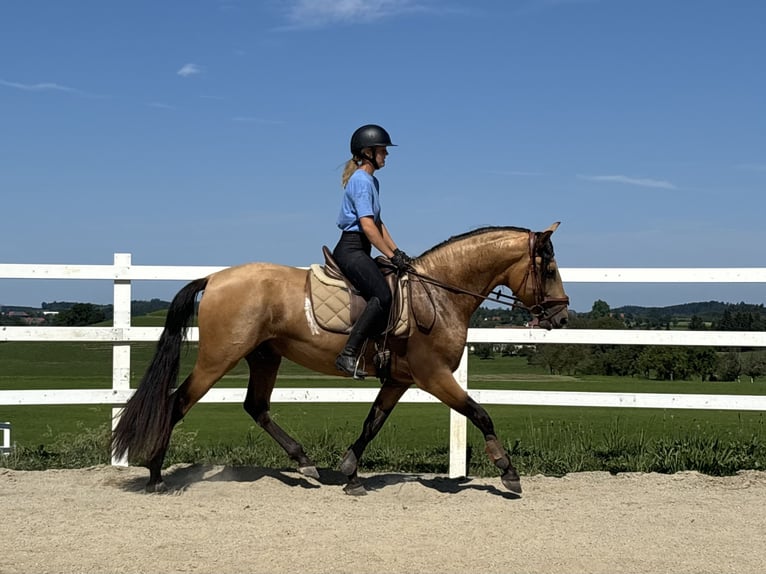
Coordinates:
362 228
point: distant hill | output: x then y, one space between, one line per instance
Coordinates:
56 313
706 314
137 308
707 310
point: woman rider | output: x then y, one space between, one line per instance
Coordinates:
362 228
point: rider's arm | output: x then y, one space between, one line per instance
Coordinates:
379 237
387 237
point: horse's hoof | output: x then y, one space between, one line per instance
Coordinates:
355 488
156 487
310 471
349 464
512 482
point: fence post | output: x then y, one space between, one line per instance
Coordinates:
6 448
122 321
458 428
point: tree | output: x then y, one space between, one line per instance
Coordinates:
754 365
600 309
727 322
729 367
622 360
697 324
80 314
702 361
667 363
559 359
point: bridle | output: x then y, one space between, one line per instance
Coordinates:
543 308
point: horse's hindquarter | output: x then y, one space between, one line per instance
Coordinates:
256 302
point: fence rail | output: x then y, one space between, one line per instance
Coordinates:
122 273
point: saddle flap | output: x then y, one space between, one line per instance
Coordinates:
331 268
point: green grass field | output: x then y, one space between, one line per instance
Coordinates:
555 439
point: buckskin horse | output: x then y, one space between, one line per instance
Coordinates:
259 312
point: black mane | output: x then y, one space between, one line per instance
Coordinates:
467 234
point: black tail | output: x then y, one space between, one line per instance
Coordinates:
145 423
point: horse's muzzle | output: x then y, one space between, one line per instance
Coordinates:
552 317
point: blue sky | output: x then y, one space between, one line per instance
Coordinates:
214 132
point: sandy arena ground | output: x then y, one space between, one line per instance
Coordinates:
221 519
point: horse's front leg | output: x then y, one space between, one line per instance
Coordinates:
384 403
445 388
494 448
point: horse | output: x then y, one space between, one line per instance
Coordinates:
259 312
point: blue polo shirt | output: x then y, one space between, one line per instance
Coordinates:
360 199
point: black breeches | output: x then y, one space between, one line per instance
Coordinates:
353 256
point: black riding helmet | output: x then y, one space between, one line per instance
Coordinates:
370 135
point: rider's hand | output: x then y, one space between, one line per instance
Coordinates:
401 260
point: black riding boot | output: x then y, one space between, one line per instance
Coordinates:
346 362
366 325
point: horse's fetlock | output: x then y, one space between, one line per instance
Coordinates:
494 449
350 463
497 453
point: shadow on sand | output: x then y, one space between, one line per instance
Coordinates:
180 477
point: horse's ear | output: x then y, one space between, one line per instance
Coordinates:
544 237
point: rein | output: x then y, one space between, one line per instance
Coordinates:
542 303
499 296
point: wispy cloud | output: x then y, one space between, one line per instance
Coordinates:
256 120
317 13
515 173
752 166
642 182
43 87
189 70
160 105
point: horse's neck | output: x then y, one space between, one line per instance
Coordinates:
477 263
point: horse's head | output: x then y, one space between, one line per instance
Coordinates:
476 262
542 290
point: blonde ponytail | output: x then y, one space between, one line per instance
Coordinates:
351 166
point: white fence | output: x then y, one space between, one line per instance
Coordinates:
6 428
122 273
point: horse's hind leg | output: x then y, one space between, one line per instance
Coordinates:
384 403
194 387
264 365
154 465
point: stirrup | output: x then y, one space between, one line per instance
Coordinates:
349 364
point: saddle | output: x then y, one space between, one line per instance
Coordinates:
336 304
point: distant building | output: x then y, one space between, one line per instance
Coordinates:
23 317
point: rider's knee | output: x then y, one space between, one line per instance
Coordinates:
384 300
381 306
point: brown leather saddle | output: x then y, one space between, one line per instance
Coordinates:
336 304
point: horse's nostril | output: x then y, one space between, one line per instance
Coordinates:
563 322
